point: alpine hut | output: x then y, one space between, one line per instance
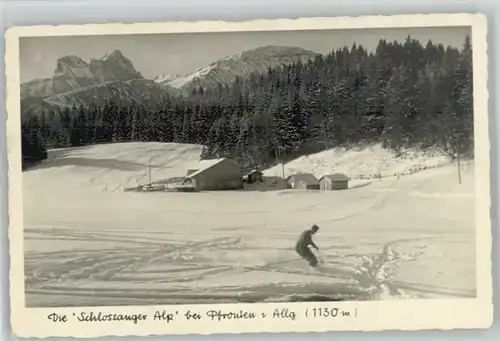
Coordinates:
302 181
253 176
215 174
335 181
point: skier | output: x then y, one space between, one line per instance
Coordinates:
302 246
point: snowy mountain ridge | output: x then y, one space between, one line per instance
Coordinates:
73 73
179 82
165 78
78 82
242 64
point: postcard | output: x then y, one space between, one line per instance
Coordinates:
305 175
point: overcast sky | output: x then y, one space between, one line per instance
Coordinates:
157 54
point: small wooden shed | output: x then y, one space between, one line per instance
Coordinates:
335 181
302 181
253 176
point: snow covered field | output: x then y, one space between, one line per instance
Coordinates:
89 243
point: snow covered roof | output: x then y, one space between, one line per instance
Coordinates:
303 177
336 177
203 165
254 171
209 163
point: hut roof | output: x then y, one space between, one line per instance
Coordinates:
253 171
203 165
336 177
304 177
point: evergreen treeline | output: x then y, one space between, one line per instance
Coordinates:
402 94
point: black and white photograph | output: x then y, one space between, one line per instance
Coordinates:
249 166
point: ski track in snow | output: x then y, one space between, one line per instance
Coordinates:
379 241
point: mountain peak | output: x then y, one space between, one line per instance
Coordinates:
73 73
72 66
116 54
115 66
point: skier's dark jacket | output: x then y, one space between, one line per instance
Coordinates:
304 241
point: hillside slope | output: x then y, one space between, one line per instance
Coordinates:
124 164
139 91
362 163
117 164
89 247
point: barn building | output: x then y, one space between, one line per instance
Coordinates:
335 181
216 174
302 181
253 176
